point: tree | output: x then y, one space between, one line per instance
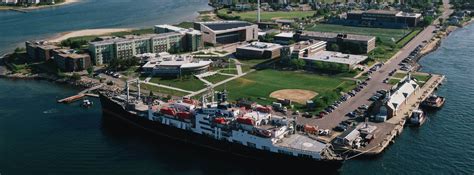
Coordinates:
335 47
298 63
90 71
427 20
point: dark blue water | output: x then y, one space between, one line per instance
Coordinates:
38 136
445 143
15 27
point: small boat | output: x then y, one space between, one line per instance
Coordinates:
417 118
433 101
87 103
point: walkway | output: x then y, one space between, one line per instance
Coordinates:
167 87
91 89
218 84
238 65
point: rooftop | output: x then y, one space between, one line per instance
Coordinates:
285 35
165 59
336 57
225 25
178 29
129 38
306 44
70 53
301 142
387 12
261 46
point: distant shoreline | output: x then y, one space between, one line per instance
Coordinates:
66 2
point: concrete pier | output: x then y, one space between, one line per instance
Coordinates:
387 131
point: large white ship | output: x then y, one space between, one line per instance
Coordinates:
255 132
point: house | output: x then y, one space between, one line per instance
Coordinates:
396 99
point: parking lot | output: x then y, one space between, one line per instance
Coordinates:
366 92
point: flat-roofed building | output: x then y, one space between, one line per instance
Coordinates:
348 60
307 48
40 50
226 32
284 38
366 43
69 61
165 64
259 50
384 18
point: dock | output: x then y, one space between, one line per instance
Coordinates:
81 95
393 127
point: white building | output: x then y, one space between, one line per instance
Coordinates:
165 64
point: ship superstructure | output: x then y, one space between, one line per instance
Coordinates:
257 128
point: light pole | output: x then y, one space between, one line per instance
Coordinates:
258 11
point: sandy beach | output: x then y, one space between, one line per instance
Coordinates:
86 32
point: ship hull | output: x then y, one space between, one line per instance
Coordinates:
114 111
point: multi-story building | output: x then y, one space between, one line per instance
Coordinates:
69 61
192 40
383 18
313 52
259 50
165 64
129 46
226 32
367 43
40 50
306 48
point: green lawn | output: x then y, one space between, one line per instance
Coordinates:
385 35
217 78
185 25
162 90
232 70
268 16
259 85
408 37
190 83
399 75
248 64
393 81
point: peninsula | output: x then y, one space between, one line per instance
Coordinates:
328 84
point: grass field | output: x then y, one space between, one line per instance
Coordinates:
408 37
189 83
268 16
385 35
259 85
250 63
217 78
160 90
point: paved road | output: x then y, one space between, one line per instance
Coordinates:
376 83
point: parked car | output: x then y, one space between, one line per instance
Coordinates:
364 107
340 128
351 114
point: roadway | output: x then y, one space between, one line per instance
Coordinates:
376 83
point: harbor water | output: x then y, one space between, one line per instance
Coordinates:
39 136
